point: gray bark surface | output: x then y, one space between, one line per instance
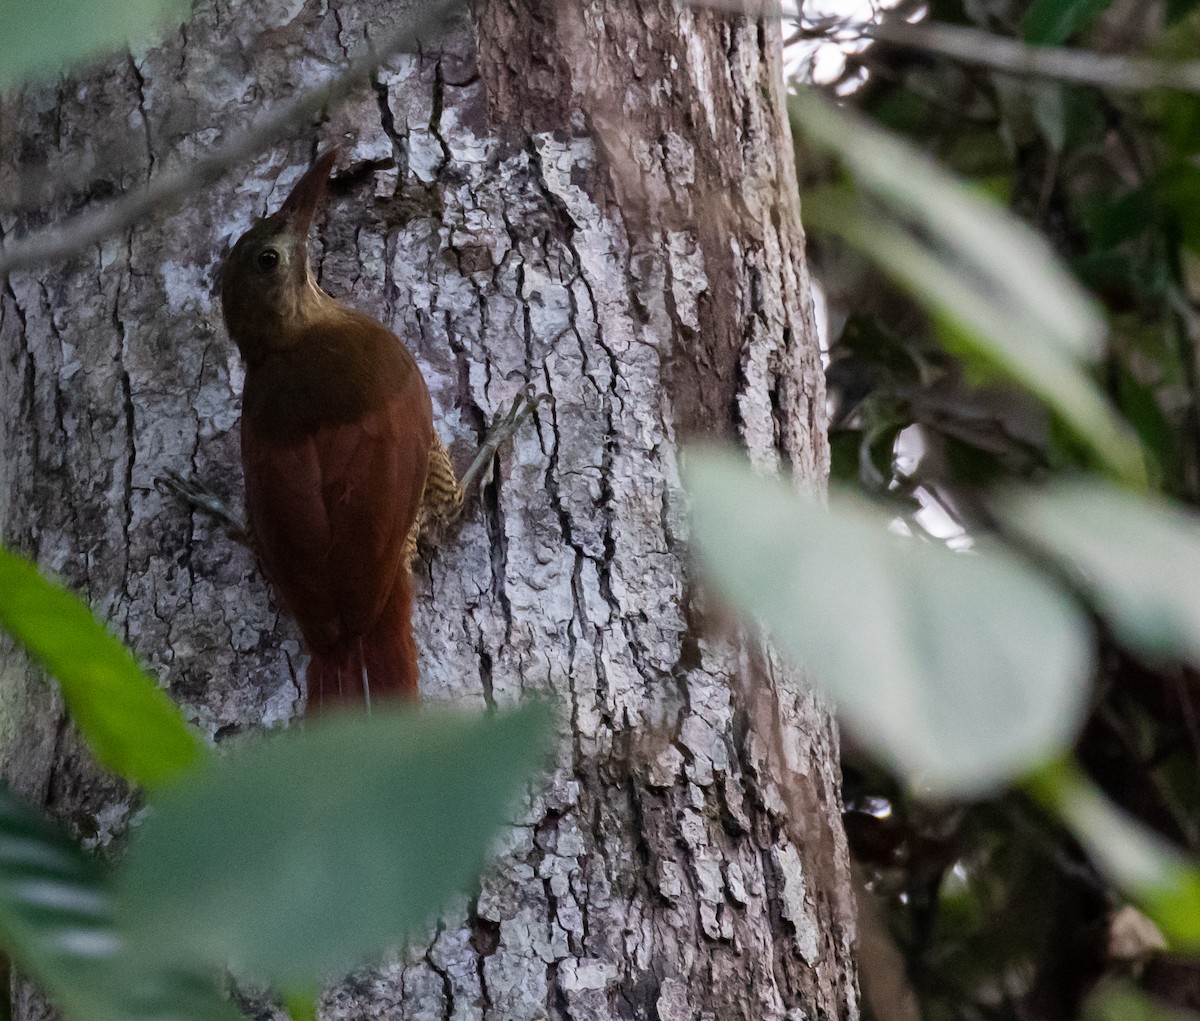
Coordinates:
595 199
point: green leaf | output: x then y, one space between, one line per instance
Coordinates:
57 912
1137 557
1008 257
960 670
132 726
994 284
1050 113
302 1004
1053 22
40 38
980 321
1117 1000
1177 9
1177 191
1112 219
297 859
55 904
1152 873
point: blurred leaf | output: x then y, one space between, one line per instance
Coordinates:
960 670
906 110
302 1004
1008 258
881 346
1177 114
1177 9
1016 102
844 454
57 919
298 858
983 322
1178 190
1142 411
980 155
1150 378
991 906
1113 219
1138 558
1053 22
1152 873
1124 1001
55 905
1050 113
38 39
132 726
1063 116
968 465
877 455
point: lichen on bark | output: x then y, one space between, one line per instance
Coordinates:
597 200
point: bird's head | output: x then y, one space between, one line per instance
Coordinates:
266 285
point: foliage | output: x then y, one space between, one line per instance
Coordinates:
57 917
990 283
39 38
1143 864
1137 559
958 671
318 849
1051 22
132 725
292 860
962 411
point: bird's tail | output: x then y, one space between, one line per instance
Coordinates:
381 664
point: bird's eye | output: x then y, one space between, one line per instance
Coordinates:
268 259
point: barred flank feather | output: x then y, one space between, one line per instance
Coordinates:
442 500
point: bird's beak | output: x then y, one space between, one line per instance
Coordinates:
301 205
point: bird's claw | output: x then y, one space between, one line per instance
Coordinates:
197 496
523 406
188 491
503 428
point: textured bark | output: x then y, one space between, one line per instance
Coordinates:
597 199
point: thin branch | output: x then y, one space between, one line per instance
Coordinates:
971 46
1011 56
169 189
984 49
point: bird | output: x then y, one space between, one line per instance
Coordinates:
343 468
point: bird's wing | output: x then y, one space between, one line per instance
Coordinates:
330 512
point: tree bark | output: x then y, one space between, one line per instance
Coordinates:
597 199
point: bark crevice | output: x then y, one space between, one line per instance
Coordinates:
596 199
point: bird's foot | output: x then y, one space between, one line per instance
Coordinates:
504 428
197 496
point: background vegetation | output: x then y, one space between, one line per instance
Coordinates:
1023 772
1004 602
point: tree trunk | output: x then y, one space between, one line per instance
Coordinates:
595 199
